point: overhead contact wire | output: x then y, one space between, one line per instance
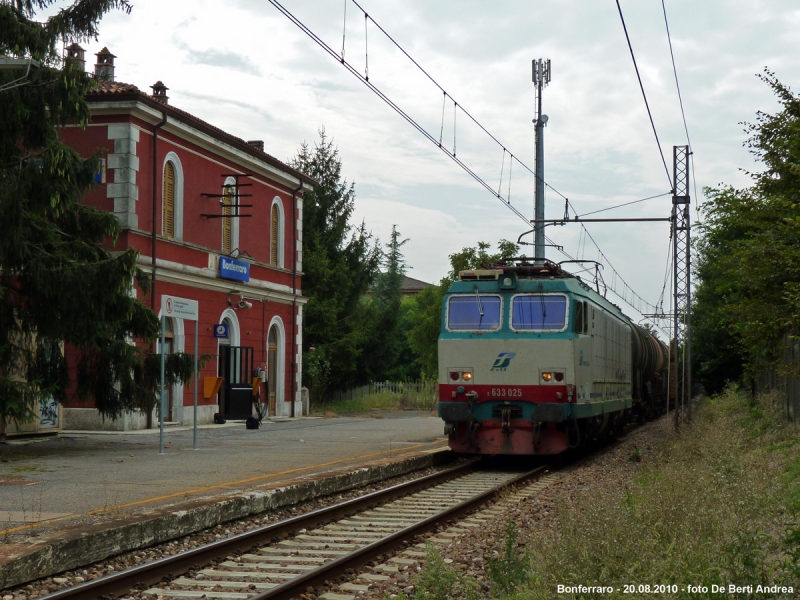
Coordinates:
391 104
641 86
425 133
594 212
680 101
455 104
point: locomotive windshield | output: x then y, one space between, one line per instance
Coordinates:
473 312
539 312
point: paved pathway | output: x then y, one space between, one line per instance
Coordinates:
48 481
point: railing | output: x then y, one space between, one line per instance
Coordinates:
412 395
777 379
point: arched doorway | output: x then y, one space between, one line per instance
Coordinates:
226 367
276 367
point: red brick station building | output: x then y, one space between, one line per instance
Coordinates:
218 221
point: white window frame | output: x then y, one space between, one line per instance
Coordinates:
566 313
280 362
276 201
447 314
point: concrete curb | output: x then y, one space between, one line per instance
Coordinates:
68 549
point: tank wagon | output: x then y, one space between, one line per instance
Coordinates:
532 360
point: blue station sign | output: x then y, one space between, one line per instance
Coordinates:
221 330
230 268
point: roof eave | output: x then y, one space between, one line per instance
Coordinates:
152 112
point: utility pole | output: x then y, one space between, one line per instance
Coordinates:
541 77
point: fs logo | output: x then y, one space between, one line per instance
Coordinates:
502 361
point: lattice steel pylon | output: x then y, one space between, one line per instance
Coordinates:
681 362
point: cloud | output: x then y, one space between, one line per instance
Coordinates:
225 60
269 77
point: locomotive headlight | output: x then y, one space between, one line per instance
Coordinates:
466 375
547 376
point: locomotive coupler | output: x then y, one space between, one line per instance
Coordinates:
505 415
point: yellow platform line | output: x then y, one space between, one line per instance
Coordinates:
222 485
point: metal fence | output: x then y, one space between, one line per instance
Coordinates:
416 395
783 379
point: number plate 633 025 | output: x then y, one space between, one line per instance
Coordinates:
503 392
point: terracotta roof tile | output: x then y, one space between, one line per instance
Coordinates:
114 87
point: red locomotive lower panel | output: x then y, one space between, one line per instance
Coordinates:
520 438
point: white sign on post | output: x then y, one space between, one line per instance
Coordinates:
181 308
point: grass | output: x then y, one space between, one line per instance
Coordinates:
387 401
438 581
718 504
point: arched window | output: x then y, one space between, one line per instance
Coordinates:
168 223
273 250
276 233
172 197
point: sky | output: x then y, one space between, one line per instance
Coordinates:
246 68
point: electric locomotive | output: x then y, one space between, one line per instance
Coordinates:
532 360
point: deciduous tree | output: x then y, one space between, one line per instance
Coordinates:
427 314
749 254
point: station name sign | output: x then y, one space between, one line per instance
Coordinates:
230 268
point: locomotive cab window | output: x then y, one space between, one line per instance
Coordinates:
539 312
473 312
580 323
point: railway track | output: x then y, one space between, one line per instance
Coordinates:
282 560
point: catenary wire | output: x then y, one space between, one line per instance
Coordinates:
512 156
615 273
641 86
594 212
680 101
396 108
615 292
455 104
433 140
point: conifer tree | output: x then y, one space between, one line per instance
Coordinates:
384 343
340 261
60 286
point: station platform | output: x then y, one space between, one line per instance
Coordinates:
83 494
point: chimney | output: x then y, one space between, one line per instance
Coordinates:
160 92
257 144
74 57
104 69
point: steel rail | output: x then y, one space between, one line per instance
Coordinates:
296 586
150 573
